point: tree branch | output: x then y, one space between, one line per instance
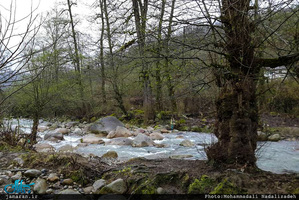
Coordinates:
276 62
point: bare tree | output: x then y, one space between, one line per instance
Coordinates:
140 9
13 42
237 111
76 58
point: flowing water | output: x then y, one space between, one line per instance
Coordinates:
277 157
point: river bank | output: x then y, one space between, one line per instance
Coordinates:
74 174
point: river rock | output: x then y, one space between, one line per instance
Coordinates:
53 135
32 173
116 187
156 136
119 141
69 191
67 181
164 130
140 130
42 128
92 139
105 125
66 148
49 191
160 145
43 147
19 160
261 136
187 143
71 124
119 132
160 190
40 186
63 131
4 180
54 126
15 177
97 185
78 131
180 156
142 140
110 154
274 137
88 190
53 177
82 145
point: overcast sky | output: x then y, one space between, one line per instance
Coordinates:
22 8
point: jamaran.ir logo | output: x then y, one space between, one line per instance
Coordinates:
18 188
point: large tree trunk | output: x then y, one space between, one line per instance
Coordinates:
236 125
237 116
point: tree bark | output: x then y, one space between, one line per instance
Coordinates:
77 60
118 96
237 116
169 80
140 25
159 104
34 128
103 75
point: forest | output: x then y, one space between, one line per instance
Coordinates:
91 98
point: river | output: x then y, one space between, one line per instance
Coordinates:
277 157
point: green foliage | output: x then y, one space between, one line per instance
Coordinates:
164 115
226 187
283 98
204 185
296 191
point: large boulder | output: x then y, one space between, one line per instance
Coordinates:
92 139
119 141
142 140
105 125
119 132
43 147
53 136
